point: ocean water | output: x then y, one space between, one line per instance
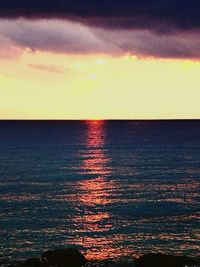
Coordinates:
110 188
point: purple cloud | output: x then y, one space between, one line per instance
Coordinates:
67 37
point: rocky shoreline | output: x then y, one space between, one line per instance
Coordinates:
71 257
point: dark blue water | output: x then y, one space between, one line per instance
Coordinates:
110 188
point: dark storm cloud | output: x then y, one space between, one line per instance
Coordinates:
149 28
182 14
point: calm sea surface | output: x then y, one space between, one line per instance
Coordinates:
109 188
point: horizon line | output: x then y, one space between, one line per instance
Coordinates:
42 119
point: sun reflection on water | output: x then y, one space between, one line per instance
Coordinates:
95 192
95 134
95 161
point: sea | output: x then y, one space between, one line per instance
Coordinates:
112 189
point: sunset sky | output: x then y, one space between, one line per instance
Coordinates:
108 59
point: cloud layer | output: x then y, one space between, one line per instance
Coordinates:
63 36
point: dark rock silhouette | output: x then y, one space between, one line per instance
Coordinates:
68 257
160 260
34 262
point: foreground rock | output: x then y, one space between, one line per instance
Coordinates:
68 257
34 262
160 260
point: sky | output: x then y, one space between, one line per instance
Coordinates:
99 59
